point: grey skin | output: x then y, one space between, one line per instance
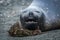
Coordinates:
32 19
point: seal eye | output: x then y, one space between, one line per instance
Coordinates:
37 11
24 11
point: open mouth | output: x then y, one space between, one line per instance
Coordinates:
30 21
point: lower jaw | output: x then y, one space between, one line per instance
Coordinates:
31 26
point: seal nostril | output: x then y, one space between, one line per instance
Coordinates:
31 14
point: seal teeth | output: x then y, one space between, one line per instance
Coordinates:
32 21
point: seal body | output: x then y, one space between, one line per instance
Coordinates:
32 22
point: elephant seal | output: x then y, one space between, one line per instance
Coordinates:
32 22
